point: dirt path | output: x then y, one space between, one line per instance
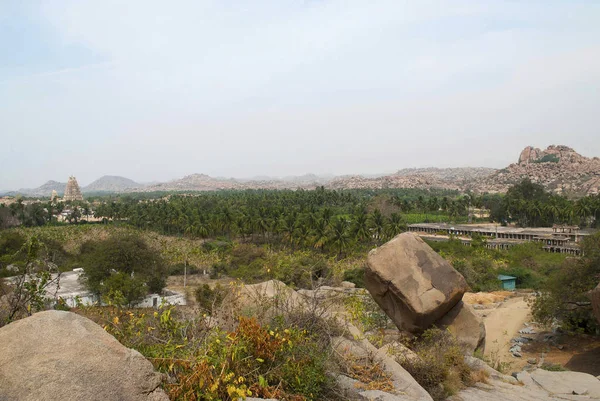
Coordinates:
502 324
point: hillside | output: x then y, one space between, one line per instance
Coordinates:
111 183
43 190
558 168
203 182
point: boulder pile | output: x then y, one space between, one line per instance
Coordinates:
417 289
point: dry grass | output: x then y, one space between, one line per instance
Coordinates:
486 298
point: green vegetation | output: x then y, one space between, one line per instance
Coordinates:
122 269
548 159
480 266
529 205
283 354
564 295
439 367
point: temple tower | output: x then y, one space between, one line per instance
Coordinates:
72 192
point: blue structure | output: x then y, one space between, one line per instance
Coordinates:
508 282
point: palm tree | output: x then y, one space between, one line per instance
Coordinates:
583 209
378 224
360 227
320 234
395 226
340 239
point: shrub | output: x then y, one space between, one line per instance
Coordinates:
441 368
121 256
548 159
356 276
207 298
180 268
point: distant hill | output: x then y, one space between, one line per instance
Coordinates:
203 182
431 177
43 190
111 183
558 168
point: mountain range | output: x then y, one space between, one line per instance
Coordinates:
558 168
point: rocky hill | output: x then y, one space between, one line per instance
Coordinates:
43 190
558 168
111 183
203 182
444 178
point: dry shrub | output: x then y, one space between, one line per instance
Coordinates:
441 368
370 374
480 376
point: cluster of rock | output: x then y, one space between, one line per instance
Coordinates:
564 171
417 289
445 178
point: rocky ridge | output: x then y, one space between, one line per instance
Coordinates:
558 168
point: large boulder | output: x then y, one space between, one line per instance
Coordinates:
567 383
58 355
413 285
595 297
466 326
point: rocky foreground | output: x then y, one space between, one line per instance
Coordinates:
57 355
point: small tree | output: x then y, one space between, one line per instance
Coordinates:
30 289
122 264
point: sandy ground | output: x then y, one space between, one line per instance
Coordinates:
502 324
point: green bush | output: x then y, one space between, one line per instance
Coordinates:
209 298
441 368
180 268
120 263
356 276
548 159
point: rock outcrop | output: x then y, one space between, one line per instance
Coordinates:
466 326
413 285
537 385
56 355
558 168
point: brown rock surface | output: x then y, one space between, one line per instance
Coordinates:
56 355
413 285
466 326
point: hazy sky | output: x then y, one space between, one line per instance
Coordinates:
154 90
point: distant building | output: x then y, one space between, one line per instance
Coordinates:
54 196
558 238
72 191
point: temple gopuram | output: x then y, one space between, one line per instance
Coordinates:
72 191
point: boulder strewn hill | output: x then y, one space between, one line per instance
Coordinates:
558 168
444 178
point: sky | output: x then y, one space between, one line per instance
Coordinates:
155 90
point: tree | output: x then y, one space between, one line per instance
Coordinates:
36 277
340 239
122 264
565 294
